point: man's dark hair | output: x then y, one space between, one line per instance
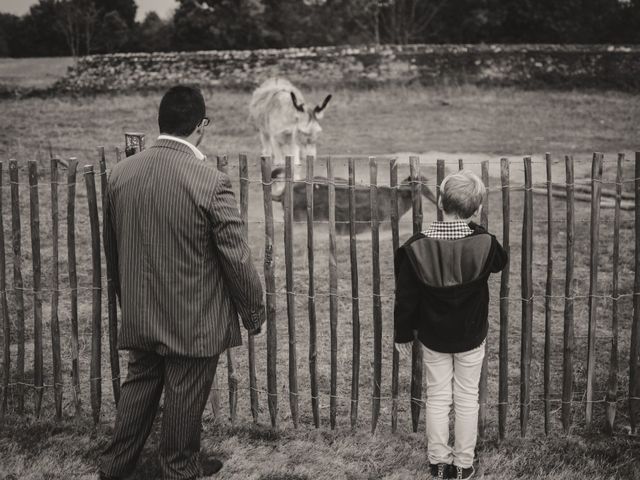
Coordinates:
181 110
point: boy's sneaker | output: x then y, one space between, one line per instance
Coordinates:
440 470
461 473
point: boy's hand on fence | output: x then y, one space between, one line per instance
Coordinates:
404 349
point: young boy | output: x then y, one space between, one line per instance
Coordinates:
442 297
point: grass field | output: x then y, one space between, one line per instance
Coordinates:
32 72
456 122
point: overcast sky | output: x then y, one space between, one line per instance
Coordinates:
163 7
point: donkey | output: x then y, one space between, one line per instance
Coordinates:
363 202
287 126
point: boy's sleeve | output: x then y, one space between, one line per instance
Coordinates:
406 301
500 258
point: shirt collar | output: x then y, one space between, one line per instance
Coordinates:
199 155
448 230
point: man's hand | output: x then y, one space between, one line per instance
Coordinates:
404 349
255 332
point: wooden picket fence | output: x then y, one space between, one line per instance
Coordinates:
15 383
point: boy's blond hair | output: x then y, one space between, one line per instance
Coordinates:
462 193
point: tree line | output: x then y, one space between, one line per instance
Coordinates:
80 27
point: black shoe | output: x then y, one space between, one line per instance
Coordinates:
440 470
209 466
462 473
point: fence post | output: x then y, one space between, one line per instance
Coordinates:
484 221
232 377
96 307
333 294
243 173
5 314
596 188
270 287
311 305
355 300
55 294
291 299
568 340
416 353
634 348
34 210
377 305
547 300
503 386
73 280
439 178
395 242
460 164
18 285
612 393
112 308
527 298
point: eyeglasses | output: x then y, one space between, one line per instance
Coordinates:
205 121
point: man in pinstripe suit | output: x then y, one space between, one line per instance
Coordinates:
183 273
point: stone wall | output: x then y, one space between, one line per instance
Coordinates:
557 66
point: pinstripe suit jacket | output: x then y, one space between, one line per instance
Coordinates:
177 255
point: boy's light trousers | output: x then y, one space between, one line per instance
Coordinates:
452 378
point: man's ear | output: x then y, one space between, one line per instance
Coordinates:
440 202
199 133
478 211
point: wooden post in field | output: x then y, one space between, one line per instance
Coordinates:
547 300
484 221
73 280
634 347
18 285
34 209
232 376
214 398
333 295
439 178
612 392
270 287
527 299
395 242
416 352
568 340
55 294
355 299
460 164
134 143
377 305
596 189
96 304
112 308
311 304
503 382
243 173
6 321
291 298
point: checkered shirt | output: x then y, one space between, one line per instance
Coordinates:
448 230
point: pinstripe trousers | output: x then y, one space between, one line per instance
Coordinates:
186 382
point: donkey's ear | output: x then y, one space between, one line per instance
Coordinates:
320 108
294 99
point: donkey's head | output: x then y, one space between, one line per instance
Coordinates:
405 188
307 124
